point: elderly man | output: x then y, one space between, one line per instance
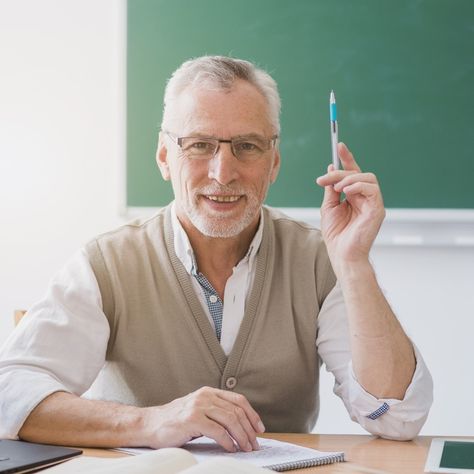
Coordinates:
213 317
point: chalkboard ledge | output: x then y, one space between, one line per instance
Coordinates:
402 227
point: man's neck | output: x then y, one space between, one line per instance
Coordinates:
216 257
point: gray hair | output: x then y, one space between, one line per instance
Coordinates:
222 72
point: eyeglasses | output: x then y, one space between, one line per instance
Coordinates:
246 148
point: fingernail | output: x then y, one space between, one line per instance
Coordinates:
256 446
261 427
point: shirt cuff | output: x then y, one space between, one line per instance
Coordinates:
414 406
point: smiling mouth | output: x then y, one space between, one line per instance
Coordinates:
223 198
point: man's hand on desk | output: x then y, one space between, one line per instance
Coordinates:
66 419
217 414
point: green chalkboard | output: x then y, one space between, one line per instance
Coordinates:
403 73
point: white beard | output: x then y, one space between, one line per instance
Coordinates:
220 225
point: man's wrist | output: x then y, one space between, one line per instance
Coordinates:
132 422
354 271
146 427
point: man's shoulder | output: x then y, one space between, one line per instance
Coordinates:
283 223
146 226
299 247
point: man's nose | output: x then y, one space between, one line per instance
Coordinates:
223 166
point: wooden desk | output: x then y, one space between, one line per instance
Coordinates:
382 456
394 457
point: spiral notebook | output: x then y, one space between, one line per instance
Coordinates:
273 454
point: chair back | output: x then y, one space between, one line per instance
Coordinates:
18 314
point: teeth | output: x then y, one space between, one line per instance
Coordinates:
223 198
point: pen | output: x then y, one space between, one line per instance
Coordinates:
333 123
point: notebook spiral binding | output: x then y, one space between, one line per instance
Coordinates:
287 466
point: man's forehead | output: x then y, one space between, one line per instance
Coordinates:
205 109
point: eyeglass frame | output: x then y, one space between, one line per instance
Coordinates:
178 140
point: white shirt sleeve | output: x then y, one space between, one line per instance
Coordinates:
59 345
404 418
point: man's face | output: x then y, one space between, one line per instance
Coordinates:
221 196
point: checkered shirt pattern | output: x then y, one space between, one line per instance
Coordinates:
214 303
380 411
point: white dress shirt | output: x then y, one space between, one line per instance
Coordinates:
60 345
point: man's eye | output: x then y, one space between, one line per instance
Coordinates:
246 146
199 146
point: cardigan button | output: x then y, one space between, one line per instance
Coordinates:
231 382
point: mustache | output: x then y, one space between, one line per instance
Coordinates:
221 189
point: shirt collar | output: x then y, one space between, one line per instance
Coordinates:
185 252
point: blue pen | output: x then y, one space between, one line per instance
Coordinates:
333 123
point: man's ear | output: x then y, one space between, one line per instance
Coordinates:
276 166
162 157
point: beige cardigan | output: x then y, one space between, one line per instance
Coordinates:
162 345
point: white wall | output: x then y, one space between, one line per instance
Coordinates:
61 137
61 154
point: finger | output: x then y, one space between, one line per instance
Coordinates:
204 416
354 178
242 402
235 426
331 197
334 176
346 157
218 433
364 189
229 418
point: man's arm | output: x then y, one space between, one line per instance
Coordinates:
400 419
382 355
57 351
64 418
